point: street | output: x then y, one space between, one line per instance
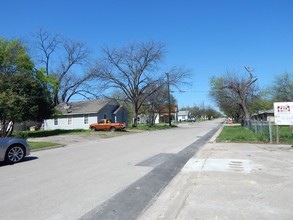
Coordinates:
111 178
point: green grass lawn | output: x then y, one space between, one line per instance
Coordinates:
242 134
285 135
237 134
42 145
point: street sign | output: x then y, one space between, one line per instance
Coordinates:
283 112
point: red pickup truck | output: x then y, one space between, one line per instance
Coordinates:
107 124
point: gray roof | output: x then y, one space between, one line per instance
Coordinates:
183 113
270 111
84 107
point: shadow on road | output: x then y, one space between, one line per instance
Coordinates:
26 159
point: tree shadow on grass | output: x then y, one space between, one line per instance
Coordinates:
48 133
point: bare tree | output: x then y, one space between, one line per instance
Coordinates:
233 93
134 69
47 44
158 103
61 59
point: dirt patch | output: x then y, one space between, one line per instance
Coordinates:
82 137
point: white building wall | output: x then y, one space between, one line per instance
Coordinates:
157 120
70 122
143 119
182 117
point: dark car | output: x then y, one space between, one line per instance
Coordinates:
193 119
13 150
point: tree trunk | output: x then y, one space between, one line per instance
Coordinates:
6 128
135 116
152 118
245 111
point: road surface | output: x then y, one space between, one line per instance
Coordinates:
115 178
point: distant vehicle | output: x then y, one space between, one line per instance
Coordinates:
107 124
13 150
191 119
230 121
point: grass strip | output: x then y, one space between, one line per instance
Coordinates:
240 134
42 145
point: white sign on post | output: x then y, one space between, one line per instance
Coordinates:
283 112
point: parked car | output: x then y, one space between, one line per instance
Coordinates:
13 150
193 119
107 124
229 121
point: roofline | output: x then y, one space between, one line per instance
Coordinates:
82 113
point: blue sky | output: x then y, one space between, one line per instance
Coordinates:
209 37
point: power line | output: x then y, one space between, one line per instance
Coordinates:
183 91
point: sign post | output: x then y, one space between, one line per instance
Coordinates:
283 112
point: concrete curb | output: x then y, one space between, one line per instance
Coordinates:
213 139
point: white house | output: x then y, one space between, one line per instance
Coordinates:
160 117
143 118
183 115
79 115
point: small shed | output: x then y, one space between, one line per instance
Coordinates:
264 115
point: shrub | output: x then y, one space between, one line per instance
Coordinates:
20 134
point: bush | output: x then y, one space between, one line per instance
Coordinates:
20 134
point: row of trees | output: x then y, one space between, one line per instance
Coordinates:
238 95
205 112
60 69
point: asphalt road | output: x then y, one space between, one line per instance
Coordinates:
115 178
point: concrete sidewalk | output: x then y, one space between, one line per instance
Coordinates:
230 181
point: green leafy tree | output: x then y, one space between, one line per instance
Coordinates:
261 102
223 98
201 111
282 90
22 95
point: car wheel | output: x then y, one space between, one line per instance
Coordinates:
93 128
15 154
112 129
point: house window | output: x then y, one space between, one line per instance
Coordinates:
69 120
85 119
55 121
105 115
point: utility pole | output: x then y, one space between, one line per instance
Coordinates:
169 100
